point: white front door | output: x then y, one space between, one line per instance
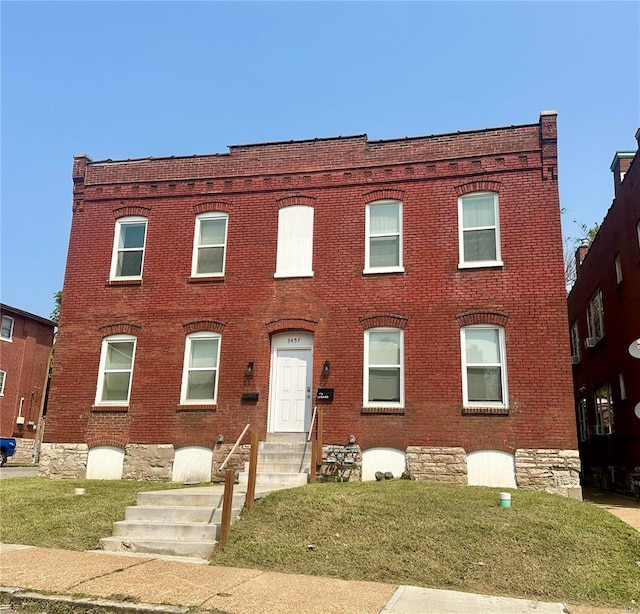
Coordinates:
291 369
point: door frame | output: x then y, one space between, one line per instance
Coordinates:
289 340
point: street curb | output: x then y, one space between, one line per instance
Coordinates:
19 596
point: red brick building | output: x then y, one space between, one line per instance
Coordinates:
604 319
418 281
25 348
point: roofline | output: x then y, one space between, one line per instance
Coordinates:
313 140
26 314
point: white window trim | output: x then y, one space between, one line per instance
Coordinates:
3 379
503 368
595 301
618 268
575 342
130 219
101 371
9 339
368 269
196 246
282 262
477 264
583 420
601 427
365 389
185 369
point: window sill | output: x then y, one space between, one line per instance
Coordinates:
195 407
383 410
206 279
124 282
5 339
277 275
485 411
110 408
481 264
377 271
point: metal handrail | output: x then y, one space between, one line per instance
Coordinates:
235 445
313 419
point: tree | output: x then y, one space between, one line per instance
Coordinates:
55 314
587 236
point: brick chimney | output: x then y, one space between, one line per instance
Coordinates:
620 165
581 252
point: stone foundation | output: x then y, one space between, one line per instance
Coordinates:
437 464
152 462
24 451
552 471
340 463
63 460
236 462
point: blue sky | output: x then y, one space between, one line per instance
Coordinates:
136 79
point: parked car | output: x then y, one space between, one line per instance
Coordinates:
7 448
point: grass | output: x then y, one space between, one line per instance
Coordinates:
47 513
545 547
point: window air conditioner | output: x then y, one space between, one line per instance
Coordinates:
608 429
591 341
575 360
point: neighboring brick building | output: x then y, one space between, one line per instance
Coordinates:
25 349
419 279
604 319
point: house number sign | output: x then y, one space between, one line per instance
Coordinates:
293 340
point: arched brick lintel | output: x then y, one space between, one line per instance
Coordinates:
284 324
295 199
131 210
384 320
93 441
200 440
383 194
120 328
490 444
468 318
214 205
480 185
214 326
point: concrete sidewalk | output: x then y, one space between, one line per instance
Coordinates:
130 582
624 508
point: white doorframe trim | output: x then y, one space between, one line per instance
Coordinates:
290 340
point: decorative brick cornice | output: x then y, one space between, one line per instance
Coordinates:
94 441
384 320
131 210
213 205
295 199
119 328
214 326
481 185
284 324
383 194
479 316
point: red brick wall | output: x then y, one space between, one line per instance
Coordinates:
339 174
26 361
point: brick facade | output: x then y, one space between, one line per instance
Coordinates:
24 358
610 443
430 300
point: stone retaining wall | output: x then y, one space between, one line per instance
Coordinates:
553 471
437 464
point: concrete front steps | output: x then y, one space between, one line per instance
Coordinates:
184 522
283 461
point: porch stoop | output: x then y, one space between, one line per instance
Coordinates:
183 522
284 460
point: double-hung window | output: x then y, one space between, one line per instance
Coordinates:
484 372
583 421
604 410
6 332
575 344
3 377
128 248
618 268
294 257
200 372
383 249
384 367
479 230
595 319
209 246
116 370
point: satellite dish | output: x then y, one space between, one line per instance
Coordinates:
634 348
637 410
